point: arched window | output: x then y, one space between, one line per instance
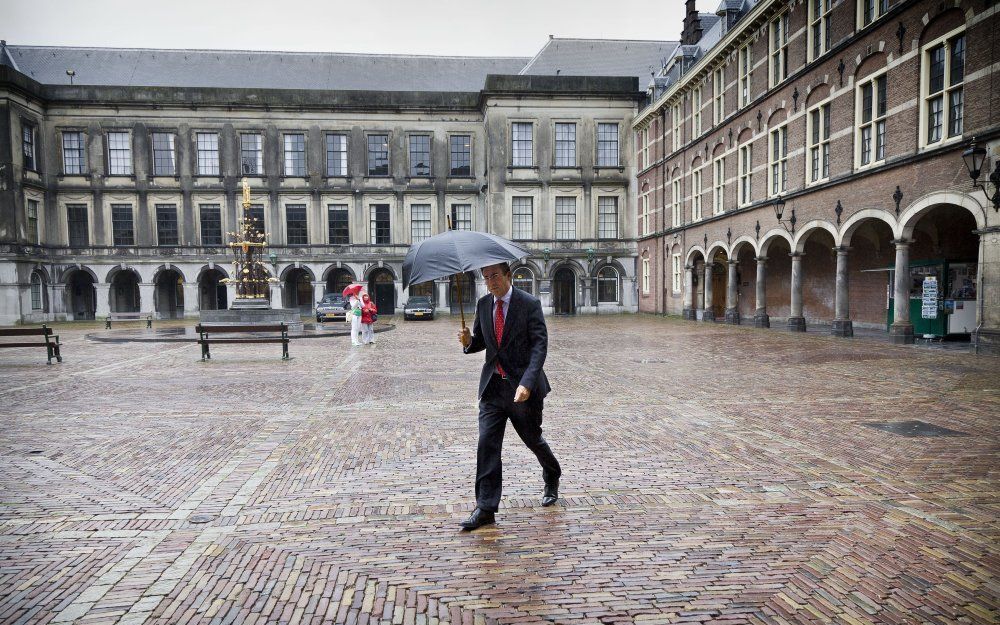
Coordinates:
36 291
607 285
524 280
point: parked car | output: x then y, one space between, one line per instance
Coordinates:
418 307
333 307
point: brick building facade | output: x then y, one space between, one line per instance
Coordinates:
852 115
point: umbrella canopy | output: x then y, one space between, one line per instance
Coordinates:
353 290
456 251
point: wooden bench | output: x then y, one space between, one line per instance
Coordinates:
51 341
205 330
128 316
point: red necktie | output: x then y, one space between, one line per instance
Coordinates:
498 330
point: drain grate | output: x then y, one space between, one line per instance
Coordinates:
913 428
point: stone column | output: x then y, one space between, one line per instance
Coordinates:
842 325
277 294
192 299
231 296
441 286
147 303
688 312
708 314
318 292
732 282
796 322
103 303
987 333
760 318
901 330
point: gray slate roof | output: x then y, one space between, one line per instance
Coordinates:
601 57
257 70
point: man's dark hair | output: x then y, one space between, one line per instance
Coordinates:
504 266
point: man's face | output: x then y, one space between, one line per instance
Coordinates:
497 281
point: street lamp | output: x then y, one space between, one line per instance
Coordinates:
974 157
779 210
274 258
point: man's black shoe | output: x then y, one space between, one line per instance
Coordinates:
477 519
551 493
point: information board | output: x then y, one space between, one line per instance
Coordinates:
929 299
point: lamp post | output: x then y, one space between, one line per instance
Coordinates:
974 158
779 211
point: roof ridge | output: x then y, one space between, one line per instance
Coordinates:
293 52
613 40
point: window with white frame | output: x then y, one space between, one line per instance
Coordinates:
643 215
336 154
420 222
678 121
676 273
208 153
74 162
640 139
523 279
607 145
122 227
819 27
607 285
378 155
746 174
818 133
251 154
31 208
565 218
119 154
461 216
645 275
77 223
522 217
255 218
779 160
36 291
719 95
696 195
565 144
521 144
607 217
675 198
696 113
871 119
778 47
295 154
380 224
461 155
28 145
164 155
943 81
719 185
420 156
871 10
746 67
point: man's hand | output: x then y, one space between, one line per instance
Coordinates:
465 337
522 394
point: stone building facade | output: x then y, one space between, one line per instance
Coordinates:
851 118
118 190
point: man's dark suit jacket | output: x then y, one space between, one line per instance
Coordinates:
523 349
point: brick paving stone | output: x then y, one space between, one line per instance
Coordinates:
711 475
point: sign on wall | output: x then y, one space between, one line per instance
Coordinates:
929 299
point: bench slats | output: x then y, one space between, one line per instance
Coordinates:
262 340
236 328
26 332
24 344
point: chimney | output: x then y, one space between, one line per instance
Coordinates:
692 25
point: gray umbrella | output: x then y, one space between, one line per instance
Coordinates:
456 251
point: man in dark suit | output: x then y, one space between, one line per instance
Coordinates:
510 327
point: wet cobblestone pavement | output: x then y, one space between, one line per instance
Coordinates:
711 474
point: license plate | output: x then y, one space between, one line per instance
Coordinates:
329 316
418 314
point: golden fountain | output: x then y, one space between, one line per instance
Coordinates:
249 243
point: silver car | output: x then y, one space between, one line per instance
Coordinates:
333 307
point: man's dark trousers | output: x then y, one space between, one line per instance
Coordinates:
495 406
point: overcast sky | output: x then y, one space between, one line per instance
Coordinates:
450 27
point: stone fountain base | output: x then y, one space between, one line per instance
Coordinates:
248 312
